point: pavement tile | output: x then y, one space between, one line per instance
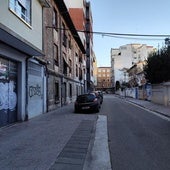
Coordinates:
38 142
74 153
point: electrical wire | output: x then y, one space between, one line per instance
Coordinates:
154 37
125 34
134 38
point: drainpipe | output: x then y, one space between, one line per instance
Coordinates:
26 114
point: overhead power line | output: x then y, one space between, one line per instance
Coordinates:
136 38
124 35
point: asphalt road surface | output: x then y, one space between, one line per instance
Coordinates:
138 139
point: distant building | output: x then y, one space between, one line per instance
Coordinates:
136 74
104 78
125 57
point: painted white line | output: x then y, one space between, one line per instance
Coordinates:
100 155
154 113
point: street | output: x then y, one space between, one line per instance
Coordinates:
138 139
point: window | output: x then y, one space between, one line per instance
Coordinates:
69 41
22 8
88 71
70 65
70 90
65 65
80 74
80 59
56 55
64 35
56 91
91 72
55 19
76 71
76 57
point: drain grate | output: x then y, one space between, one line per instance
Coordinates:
74 153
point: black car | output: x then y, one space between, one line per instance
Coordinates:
100 94
87 102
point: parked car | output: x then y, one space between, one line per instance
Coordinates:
87 102
100 94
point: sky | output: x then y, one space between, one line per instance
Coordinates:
151 17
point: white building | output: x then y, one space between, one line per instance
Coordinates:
125 57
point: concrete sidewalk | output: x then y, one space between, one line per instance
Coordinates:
163 110
55 140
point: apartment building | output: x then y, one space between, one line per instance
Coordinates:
104 78
22 78
89 47
77 11
65 54
81 14
42 59
125 57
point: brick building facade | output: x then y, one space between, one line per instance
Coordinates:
64 53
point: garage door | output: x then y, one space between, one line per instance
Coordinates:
8 91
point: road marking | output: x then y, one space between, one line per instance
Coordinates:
99 158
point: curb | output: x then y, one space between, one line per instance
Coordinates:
161 113
99 156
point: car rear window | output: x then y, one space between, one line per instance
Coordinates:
86 98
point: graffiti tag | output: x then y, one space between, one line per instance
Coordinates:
8 98
34 90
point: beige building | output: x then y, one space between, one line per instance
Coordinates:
22 78
104 78
42 59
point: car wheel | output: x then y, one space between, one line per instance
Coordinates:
76 110
97 109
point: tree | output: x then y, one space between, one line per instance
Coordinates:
157 69
117 85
